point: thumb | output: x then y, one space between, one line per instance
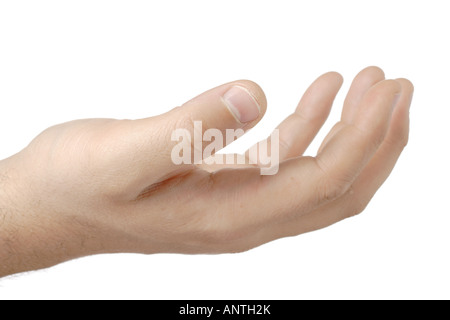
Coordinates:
157 144
236 104
202 125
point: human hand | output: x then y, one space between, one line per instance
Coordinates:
103 186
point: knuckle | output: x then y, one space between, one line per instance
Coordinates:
331 189
355 204
356 208
400 142
178 118
186 122
373 138
403 142
331 185
404 138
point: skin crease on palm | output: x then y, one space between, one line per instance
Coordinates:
103 186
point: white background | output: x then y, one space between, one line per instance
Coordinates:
65 60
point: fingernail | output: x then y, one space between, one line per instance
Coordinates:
241 104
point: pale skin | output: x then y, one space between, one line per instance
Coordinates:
104 186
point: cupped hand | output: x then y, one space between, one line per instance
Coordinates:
103 185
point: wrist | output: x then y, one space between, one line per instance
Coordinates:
31 236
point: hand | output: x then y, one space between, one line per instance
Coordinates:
103 186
